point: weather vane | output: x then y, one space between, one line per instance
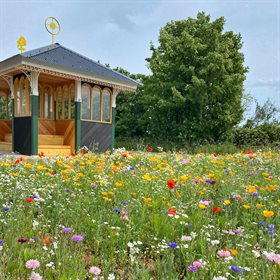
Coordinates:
53 27
21 43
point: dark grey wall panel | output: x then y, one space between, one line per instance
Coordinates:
98 135
22 135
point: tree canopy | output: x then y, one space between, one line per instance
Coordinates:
195 91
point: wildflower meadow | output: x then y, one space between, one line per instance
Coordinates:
140 215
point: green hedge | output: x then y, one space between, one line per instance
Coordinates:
258 136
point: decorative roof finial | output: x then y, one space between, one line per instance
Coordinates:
53 27
21 43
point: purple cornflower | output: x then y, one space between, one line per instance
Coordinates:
192 268
94 185
1 242
22 240
262 223
236 269
255 194
77 238
123 202
67 190
67 230
6 208
173 245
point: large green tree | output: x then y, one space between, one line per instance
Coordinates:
196 87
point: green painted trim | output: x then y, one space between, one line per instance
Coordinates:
13 127
114 112
77 125
34 124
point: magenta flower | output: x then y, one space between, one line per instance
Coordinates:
77 238
67 230
192 268
32 264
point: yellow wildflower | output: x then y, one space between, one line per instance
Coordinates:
268 214
201 206
227 202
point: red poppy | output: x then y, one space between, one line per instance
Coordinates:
150 149
171 184
46 241
29 199
72 154
172 211
124 155
215 155
41 154
250 152
216 209
213 182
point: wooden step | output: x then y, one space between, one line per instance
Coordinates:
6 146
42 139
54 150
47 139
8 137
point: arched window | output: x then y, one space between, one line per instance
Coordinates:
86 102
106 105
95 103
59 103
22 98
72 102
16 97
22 105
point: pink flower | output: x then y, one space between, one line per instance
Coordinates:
32 264
205 202
273 258
35 276
197 263
95 270
223 253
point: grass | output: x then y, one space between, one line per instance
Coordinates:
141 215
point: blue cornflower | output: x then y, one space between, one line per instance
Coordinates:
123 202
271 230
1 242
236 269
132 168
173 245
6 208
262 223
255 194
117 210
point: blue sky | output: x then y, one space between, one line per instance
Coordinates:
120 32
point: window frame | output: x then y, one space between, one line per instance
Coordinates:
101 104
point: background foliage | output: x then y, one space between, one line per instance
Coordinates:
195 93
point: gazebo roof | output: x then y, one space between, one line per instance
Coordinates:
59 57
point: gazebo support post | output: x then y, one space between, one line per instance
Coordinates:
78 100
114 112
34 112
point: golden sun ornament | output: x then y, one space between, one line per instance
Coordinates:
21 43
53 27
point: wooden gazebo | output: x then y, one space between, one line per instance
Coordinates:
54 100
